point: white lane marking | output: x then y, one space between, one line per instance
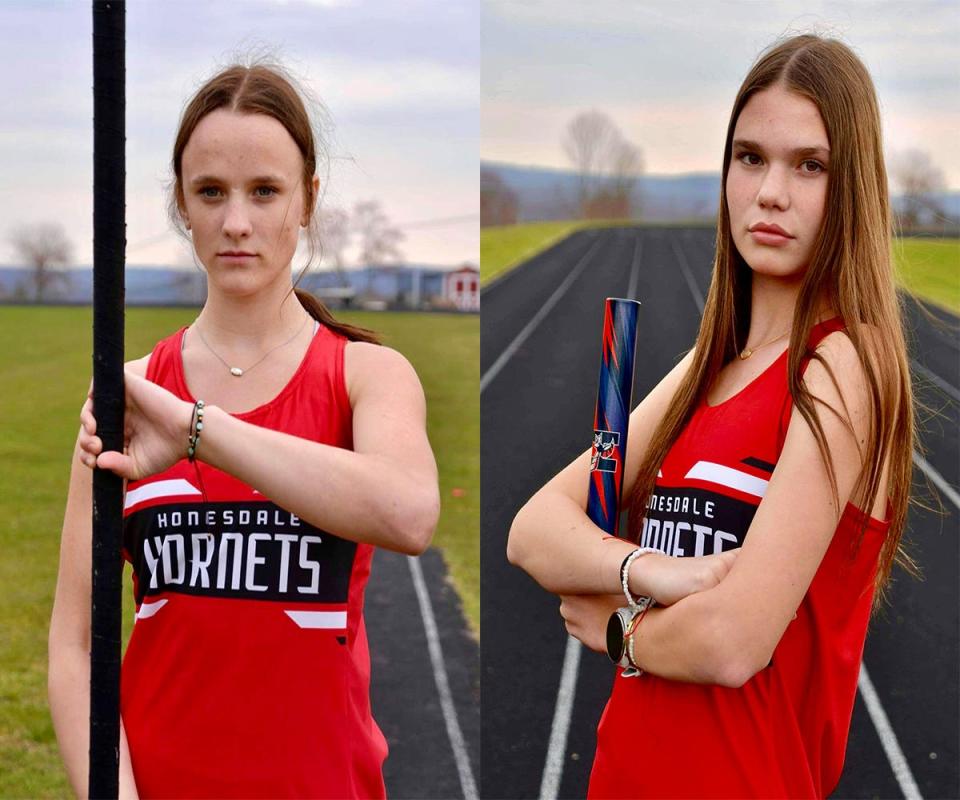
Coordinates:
457 743
529 253
937 479
879 717
635 272
936 380
319 619
545 309
727 476
150 491
687 274
557 747
147 610
898 762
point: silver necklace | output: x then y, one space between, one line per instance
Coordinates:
237 371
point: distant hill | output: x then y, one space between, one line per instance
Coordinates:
164 286
145 285
545 193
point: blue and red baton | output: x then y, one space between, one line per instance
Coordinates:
612 416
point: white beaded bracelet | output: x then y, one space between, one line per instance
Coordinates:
641 602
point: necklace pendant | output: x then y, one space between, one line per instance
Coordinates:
236 371
745 354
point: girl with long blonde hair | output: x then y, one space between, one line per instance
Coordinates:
776 454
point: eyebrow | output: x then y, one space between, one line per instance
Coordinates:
214 179
800 151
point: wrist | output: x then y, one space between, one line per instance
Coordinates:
639 577
211 439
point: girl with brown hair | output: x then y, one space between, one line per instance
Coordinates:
252 502
777 453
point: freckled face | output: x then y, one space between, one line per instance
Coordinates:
243 192
778 177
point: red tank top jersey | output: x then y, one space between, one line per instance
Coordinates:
784 732
247 673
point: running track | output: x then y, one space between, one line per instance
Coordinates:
539 349
425 683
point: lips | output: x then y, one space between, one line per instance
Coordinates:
763 227
234 253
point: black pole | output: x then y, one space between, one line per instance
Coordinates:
109 242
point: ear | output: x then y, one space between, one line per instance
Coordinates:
308 212
183 214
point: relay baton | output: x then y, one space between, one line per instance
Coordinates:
612 415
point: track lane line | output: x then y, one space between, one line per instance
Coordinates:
898 762
457 743
557 747
635 269
938 480
936 380
545 309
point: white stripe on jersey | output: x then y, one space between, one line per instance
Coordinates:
319 619
149 609
727 476
156 489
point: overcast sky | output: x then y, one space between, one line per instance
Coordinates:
668 72
400 81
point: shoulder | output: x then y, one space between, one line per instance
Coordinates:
838 377
838 351
138 366
374 368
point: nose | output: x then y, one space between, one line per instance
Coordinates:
774 190
236 221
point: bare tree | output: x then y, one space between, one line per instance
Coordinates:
615 197
335 236
378 240
918 180
498 202
585 142
43 246
608 165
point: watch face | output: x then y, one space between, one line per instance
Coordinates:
615 631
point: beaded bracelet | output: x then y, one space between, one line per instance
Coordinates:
639 602
194 438
629 639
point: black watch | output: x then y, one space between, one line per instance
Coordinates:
617 628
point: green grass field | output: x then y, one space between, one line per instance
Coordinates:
928 268
502 247
44 374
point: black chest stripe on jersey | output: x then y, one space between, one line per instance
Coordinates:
757 463
245 550
687 522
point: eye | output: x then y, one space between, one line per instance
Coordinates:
203 191
271 191
817 167
744 158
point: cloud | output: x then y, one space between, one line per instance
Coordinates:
674 69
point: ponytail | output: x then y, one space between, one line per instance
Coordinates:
321 313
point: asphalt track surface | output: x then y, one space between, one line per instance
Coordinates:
407 704
536 411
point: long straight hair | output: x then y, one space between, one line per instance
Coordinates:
263 88
850 265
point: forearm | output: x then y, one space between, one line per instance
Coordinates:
69 696
357 496
685 642
557 544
